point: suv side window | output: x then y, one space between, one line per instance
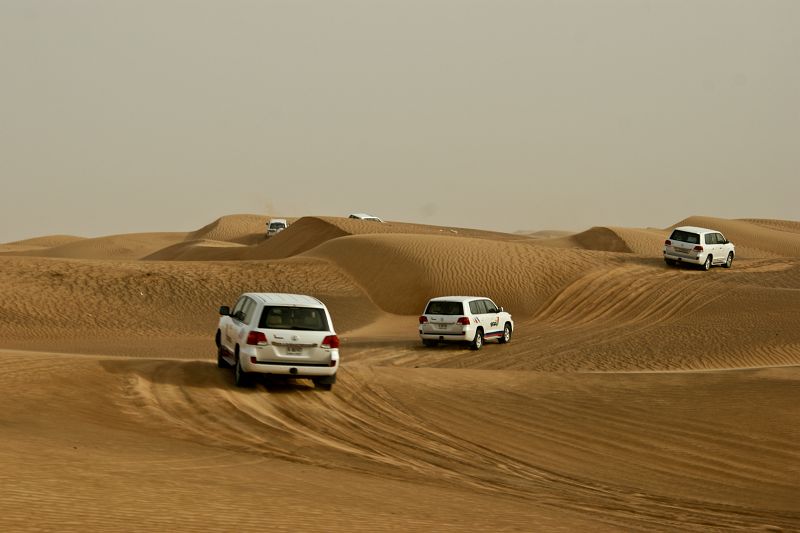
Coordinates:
248 309
243 311
475 307
710 238
490 307
238 308
720 238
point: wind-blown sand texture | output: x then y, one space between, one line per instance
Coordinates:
633 396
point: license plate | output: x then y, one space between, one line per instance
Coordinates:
441 326
294 349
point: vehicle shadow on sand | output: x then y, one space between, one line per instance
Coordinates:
200 374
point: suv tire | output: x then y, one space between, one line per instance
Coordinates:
506 337
707 264
221 362
477 342
240 377
729 260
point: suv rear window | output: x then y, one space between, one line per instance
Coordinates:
304 318
444 308
685 236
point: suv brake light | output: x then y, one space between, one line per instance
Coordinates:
256 338
423 319
464 321
698 248
330 342
668 242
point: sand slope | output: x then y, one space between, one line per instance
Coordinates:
128 246
403 271
38 243
633 396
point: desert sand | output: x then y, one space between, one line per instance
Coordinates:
633 396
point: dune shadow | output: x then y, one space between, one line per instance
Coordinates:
442 347
658 262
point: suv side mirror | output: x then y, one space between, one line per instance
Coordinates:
501 309
225 310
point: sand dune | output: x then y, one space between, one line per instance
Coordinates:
753 238
302 235
597 238
648 242
232 228
404 271
545 234
782 225
128 246
38 243
633 396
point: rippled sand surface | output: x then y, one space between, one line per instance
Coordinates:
633 396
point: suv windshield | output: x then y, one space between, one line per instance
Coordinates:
685 236
444 308
277 225
305 318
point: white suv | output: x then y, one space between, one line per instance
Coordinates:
275 226
275 333
471 319
699 246
364 216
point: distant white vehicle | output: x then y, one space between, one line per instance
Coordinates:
274 333
698 246
472 319
275 226
364 216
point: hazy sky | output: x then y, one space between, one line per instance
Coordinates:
160 115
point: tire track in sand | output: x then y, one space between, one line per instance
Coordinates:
369 425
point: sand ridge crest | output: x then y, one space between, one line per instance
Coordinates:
302 235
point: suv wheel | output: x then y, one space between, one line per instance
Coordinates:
729 260
240 377
707 264
325 383
506 334
477 342
221 362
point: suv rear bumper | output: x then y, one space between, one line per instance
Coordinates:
444 337
698 260
289 370
286 368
